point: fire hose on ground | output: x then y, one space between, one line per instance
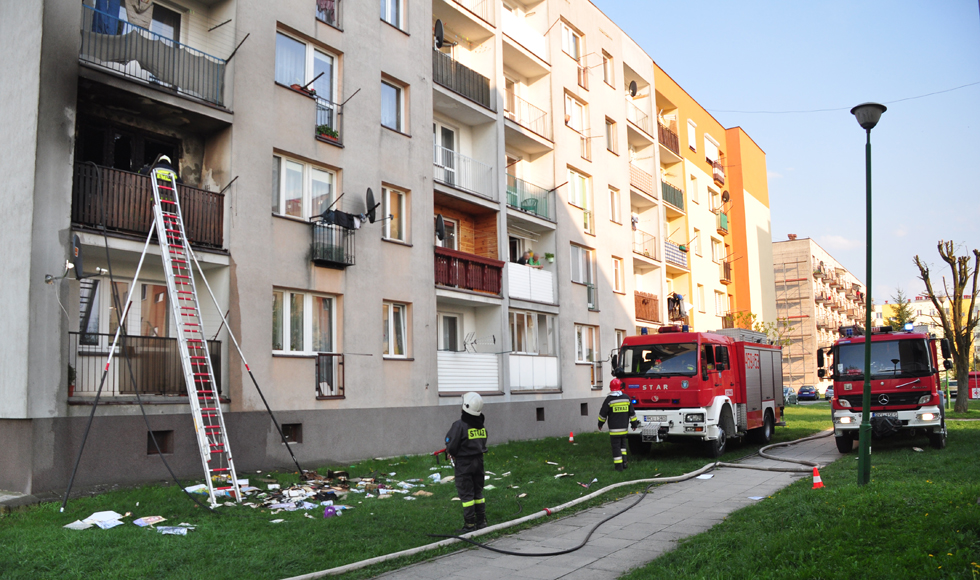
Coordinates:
808 467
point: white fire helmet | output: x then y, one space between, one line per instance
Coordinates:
165 159
473 404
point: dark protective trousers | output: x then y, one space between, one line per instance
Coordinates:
618 443
469 485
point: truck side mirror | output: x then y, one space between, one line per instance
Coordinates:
947 364
704 371
614 359
822 373
944 346
820 361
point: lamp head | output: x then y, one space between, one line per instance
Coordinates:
868 114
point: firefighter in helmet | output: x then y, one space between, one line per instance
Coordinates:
466 443
618 411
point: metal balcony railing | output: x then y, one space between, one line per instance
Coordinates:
592 296
333 245
675 255
669 139
329 375
647 306
672 195
128 199
329 12
641 180
328 124
637 117
527 115
137 53
531 198
645 245
154 360
722 223
725 272
467 271
459 171
460 79
718 172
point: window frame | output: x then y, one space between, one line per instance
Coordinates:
455 227
692 135
575 178
701 297
697 242
576 110
520 329
568 34
309 67
717 251
308 338
619 275
615 206
387 6
583 331
401 112
608 70
308 170
582 262
400 218
441 334
611 137
389 329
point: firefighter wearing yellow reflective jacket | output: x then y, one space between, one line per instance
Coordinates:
618 411
466 442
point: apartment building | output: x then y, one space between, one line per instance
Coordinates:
362 334
815 296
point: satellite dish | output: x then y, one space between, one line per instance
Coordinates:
76 256
371 205
632 88
440 34
440 227
725 197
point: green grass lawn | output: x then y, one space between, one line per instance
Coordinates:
241 542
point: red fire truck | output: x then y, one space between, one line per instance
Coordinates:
905 393
710 386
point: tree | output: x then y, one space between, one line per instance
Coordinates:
957 324
903 311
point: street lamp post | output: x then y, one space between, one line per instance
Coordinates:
867 116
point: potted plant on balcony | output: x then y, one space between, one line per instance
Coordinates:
305 90
327 132
71 380
550 257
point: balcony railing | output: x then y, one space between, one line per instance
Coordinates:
641 180
459 372
128 199
592 296
524 35
328 11
531 198
329 375
527 115
637 117
645 245
459 171
675 255
722 223
328 124
460 79
530 283
482 8
672 195
333 245
155 363
647 306
467 271
669 139
718 172
726 272
146 56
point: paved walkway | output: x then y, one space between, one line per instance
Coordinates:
670 512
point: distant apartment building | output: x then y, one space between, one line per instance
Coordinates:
926 317
530 128
815 296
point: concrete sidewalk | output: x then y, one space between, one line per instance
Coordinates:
669 513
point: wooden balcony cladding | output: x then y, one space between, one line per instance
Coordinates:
669 139
129 205
647 307
468 271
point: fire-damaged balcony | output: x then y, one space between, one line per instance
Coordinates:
465 271
333 241
126 199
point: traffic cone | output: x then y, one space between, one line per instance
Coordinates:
571 437
817 483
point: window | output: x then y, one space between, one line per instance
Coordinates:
579 192
701 305
583 265
575 113
297 63
391 12
719 303
607 69
717 251
710 148
619 275
393 212
532 333
611 135
449 332
301 322
615 206
715 200
395 325
692 192
299 189
696 242
692 139
585 344
444 153
392 106
451 241
620 335
571 42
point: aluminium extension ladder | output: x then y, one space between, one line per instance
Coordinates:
209 423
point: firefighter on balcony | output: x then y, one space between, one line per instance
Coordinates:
466 443
618 410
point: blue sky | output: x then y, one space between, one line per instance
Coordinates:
763 58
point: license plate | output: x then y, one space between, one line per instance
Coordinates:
655 418
885 414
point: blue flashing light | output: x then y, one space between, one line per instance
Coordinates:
909 327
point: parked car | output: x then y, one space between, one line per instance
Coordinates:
953 388
789 396
808 392
829 393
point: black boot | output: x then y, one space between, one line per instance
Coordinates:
481 516
619 467
469 525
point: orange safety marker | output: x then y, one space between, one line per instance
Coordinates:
571 437
817 483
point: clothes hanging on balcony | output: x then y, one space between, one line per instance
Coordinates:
105 23
139 12
342 219
676 308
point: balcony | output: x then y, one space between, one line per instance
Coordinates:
328 12
328 124
718 172
529 283
642 180
141 55
722 223
461 372
459 171
592 296
460 79
726 272
818 272
637 117
333 245
669 139
530 198
530 372
647 306
525 36
128 199
155 362
672 195
645 245
329 375
527 115
465 271
675 255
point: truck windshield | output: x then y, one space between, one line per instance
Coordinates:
658 360
889 359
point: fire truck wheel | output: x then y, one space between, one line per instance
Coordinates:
717 447
844 443
637 446
937 439
764 434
